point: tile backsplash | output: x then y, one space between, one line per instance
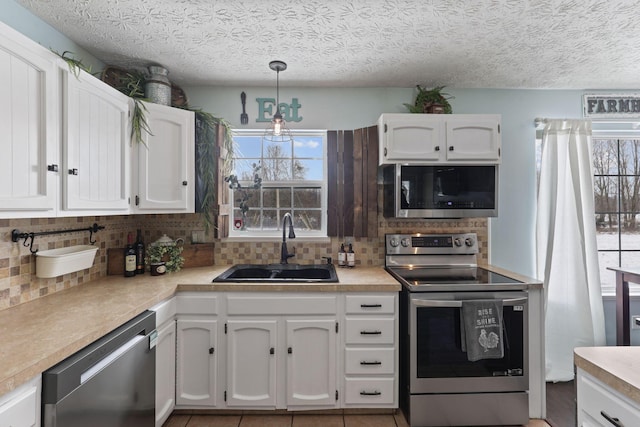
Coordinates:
19 284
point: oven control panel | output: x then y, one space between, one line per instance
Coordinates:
431 244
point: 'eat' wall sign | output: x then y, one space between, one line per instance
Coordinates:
266 110
598 106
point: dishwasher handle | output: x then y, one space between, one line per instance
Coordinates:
458 303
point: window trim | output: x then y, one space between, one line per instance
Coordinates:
262 235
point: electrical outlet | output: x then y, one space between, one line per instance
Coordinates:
635 322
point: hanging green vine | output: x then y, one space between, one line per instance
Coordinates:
207 167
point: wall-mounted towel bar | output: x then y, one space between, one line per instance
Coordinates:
29 237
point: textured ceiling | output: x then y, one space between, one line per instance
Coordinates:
556 44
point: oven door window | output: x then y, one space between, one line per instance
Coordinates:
439 351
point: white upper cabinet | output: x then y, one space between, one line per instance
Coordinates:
164 177
29 98
96 151
439 138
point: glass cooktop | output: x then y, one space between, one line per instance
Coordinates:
433 276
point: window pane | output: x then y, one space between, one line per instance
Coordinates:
606 193
270 219
278 197
244 168
308 170
309 147
605 157
629 236
629 157
307 197
607 277
278 149
630 194
275 169
307 220
247 146
607 240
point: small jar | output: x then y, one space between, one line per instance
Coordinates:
158 268
157 86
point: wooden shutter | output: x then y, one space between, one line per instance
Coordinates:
353 183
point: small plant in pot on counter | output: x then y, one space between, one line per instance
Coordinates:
431 101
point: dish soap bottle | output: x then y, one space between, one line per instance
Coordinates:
342 256
351 257
129 257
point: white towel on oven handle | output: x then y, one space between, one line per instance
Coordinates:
481 329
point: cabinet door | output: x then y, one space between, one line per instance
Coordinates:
29 115
470 138
165 162
410 137
251 363
196 362
21 407
311 362
96 146
165 372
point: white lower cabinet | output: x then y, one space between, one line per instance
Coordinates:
165 372
294 351
197 350
251 363
371 351
284 361
600 405
21 407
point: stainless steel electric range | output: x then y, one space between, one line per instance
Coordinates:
440 385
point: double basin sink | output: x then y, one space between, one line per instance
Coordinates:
244 273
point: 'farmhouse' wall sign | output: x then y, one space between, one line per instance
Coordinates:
612 106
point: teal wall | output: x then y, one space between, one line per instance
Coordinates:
16 16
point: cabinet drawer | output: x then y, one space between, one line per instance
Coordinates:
197 303
370 330
21 410
365 304
599 402
375 361
369 391
281 304
165 310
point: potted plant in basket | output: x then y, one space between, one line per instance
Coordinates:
432 101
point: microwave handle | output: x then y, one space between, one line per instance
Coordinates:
458 303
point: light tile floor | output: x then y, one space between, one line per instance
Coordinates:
297 420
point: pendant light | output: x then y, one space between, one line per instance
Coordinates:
278 131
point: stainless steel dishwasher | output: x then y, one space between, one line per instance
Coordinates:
109 383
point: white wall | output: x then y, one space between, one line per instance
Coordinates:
512 232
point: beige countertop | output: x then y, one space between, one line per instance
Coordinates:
36 335
618 367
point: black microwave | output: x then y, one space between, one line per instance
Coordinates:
440 191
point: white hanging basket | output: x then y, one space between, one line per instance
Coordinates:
57 262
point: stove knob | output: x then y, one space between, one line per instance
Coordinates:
394 242
457 242
406 242
469 241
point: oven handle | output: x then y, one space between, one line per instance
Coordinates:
458 303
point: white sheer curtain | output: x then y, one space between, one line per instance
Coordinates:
567 258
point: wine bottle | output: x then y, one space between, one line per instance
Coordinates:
129 257
342 256
351 257
140 266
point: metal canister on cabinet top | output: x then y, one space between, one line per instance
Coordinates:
157 88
